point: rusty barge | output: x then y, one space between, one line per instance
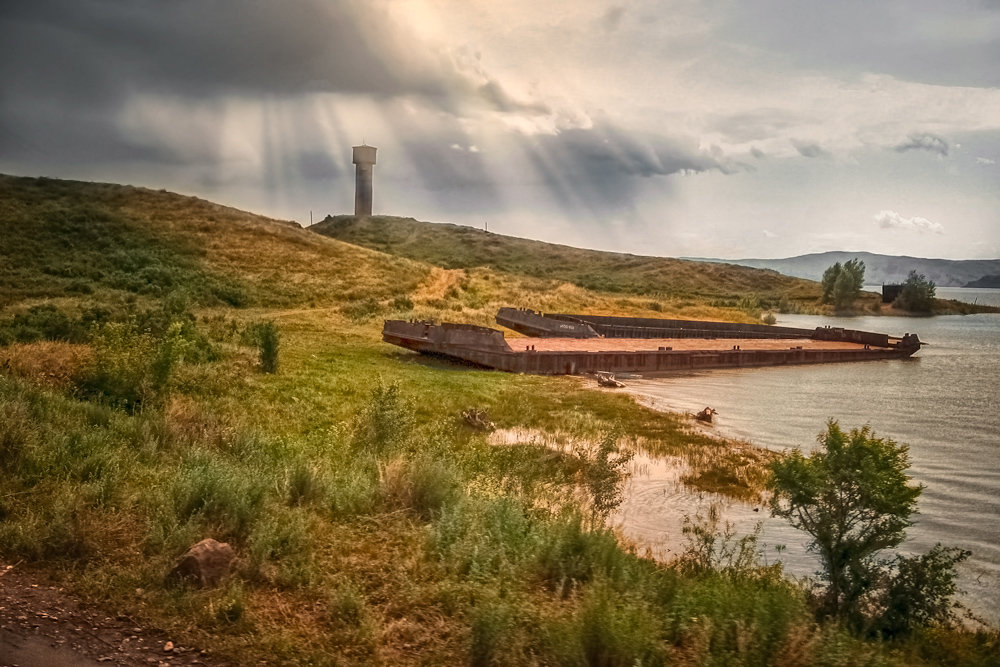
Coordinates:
558 344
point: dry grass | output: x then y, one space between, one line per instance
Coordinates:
47 363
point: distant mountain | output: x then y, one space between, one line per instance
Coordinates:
986 281
878 268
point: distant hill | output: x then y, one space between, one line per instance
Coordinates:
456 246
879 268
986 281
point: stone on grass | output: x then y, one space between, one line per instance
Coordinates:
206 563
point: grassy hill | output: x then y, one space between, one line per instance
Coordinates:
455 246
372 524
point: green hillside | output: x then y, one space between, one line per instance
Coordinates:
455 246
173 370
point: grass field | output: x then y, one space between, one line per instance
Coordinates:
372 525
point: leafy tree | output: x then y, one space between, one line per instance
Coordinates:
842 282
854 499
917 293
829 280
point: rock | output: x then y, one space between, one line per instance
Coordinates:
206 563
168 647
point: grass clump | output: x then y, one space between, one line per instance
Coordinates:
266 337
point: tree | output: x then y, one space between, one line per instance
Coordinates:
842 282
854 498
829 280
917 293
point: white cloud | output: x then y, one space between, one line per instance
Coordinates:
985 160
893 220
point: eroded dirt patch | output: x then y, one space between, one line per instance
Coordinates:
43 625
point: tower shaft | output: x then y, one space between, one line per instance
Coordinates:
364 159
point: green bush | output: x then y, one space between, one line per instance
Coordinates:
919 593
917 294
386 421
492 625
266 336
220 493
424 484
131 369
43 322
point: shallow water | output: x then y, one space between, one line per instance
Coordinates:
943 403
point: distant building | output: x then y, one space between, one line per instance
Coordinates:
890 292
364 158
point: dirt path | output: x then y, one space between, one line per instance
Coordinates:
41 625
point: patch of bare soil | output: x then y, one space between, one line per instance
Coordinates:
42 625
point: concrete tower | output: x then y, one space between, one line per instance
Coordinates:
364 158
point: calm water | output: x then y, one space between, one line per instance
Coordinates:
944 403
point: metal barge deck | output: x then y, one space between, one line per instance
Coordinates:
562 354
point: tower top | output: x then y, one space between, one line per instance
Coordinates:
364 154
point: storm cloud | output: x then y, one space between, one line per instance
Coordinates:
616 122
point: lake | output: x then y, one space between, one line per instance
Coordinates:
944 403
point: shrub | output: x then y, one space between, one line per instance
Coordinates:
130 369
605 470
491 626
385 422
403 303
305 483
218 493
917 294
43 322
423 484
919 593
361 310
711 547
611 628
266 337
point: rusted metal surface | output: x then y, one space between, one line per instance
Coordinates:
556 356
531 323
546 325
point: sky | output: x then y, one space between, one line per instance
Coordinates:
712 128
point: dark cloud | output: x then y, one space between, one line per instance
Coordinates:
758 153
220 47
923 142
71 68
600 169
806 149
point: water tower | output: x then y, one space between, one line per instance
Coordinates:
364 158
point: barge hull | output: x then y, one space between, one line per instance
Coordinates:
487 347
